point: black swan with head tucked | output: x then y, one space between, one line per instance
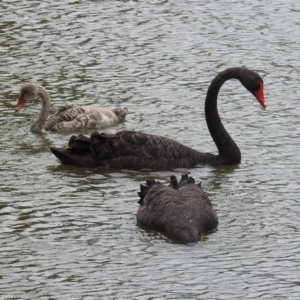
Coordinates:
69 117
181 210
136 150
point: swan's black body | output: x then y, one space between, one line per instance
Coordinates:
181 210
136 150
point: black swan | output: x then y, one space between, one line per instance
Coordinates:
69 117
136 150
181 210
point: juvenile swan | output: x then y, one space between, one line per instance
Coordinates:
181 210
69 117
136 150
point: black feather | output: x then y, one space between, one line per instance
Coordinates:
182 210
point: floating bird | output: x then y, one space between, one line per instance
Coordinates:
68 118
136 150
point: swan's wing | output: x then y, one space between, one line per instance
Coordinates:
203 213
71 118
137 150
126 150
137 144
53 117
155 211
66 114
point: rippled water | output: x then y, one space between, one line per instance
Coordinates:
69 233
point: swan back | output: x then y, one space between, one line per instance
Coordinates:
181 210
72 118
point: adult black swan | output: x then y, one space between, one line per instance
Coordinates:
181 210
136 150
68 118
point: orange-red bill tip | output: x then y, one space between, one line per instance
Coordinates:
259 95
20 104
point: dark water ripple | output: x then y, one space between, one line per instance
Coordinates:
69 233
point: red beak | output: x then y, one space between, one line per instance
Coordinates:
259 95
20 104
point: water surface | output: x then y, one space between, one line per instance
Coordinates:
69 233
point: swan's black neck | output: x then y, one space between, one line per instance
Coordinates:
229 152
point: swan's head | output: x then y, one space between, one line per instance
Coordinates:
255 85
28 92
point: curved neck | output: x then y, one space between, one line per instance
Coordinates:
229 152
39 123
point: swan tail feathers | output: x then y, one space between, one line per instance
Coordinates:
121 113
145 189
174 183
185 179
